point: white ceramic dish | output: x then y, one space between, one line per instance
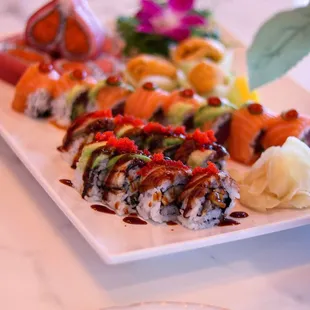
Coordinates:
166 305
35 142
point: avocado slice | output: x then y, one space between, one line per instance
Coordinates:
171 141
178 111
198 158
208 113
120 133
86 153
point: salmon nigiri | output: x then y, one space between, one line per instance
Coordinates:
248 126
72 97
288 124
34 91
145 101
111 94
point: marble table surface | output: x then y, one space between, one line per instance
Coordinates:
45 264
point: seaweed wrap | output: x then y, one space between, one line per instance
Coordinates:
207 198
82 131
199 148
162 181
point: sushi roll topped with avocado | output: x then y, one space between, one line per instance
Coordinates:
72 97
181 106
165 139
110 93
35 90
130 127
216 115
107 172
162 181
82 131
200 148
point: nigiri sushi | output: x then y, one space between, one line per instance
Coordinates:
145 101
199 148
72 97
207 198
82 131
162 181
148 68
181 106
110 94
216 115
248 127
107 172
288 124
35 90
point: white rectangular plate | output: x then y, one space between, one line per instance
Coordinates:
35 142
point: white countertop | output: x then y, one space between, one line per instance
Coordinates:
45 264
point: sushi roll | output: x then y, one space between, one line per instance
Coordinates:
162 181
163 139
215 115
247 130
130 127
207 198
181 106
196 49
110 94
72 97
199 148
107 172
82 131
288 124
145 101
148 68
35 91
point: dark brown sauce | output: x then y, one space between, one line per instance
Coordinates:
134 220
238 214
133 214
172 223
102 209
60 148
228 222
66 182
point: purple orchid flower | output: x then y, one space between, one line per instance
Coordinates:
173 20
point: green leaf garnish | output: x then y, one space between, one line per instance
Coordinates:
278 46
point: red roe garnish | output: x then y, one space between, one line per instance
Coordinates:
211 169
202 138
214 101
156 128
46 67
187 93
79 74
290 115
128 120
102 113
146 152
255 108
122 145
159 159
113 80
148 86
104 136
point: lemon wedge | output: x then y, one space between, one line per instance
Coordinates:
240 92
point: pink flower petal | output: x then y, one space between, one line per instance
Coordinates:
193 20
181 5
145 28
177 34
150 8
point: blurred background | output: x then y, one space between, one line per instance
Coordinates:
241 17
